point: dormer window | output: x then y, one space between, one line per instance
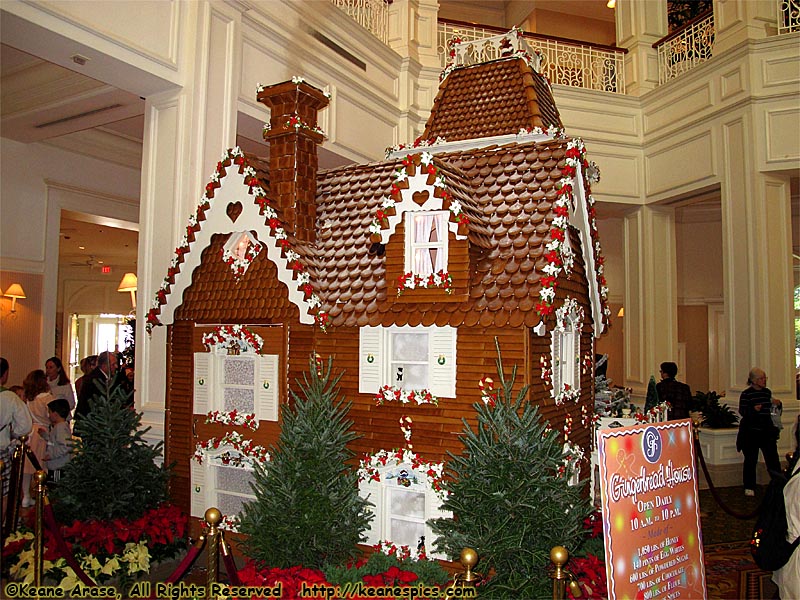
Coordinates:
239 251
426 242
565 347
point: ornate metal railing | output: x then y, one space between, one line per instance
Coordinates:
373 15
567 62
788 16
684 49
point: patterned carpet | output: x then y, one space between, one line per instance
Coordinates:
730 570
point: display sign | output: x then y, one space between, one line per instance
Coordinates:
651 519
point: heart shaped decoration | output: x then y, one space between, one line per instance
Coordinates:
233 211
420 197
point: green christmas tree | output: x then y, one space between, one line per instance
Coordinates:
113 472
651 400
307 509
509 497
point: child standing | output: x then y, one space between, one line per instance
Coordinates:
59 445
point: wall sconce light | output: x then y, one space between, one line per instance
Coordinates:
621 312
129 283
14 292
611 3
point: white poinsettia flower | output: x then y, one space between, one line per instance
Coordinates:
426 158
400 175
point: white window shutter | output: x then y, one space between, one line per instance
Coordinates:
373 491
433 510
576 358
198 489
443 361
203 382
267 387
555 361
370 359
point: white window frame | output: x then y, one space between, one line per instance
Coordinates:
379 493
205 484
375 364
209 383
412 244
565 348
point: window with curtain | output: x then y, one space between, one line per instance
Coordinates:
426 242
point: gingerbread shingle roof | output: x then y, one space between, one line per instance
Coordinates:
495 98
512 191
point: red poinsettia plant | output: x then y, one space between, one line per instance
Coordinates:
588 568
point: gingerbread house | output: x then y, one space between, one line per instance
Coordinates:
405 271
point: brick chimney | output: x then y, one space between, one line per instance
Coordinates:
293 137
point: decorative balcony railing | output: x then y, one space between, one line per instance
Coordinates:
567 62
684 49
788 16
373 15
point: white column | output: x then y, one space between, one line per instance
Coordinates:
736 21
413 30
186 132
639 25
757 264
651 298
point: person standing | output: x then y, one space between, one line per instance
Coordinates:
105 375
14 419
60 385
787 578
756 429
678 394
38 396
59 439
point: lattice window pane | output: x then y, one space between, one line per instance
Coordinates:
406 533
405 503
229 504
230 479
410 346
241 399
239 371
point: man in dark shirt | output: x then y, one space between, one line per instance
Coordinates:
678 394
107 376
756 429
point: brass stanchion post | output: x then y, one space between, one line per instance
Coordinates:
561 577
469 578
213 518
15 486
38 533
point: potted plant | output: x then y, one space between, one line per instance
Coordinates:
715 414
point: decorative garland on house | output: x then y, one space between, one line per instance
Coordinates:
417 143
410 281
234 440
370 464
409 169
238 338
400 552
235 156
389 393
232 418
295 121
560 255
506 51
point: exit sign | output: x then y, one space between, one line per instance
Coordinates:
105 269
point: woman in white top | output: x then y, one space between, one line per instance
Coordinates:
60 385
787 578
37 397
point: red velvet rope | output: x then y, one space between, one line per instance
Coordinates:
61 545
712 488
187 561
230 564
